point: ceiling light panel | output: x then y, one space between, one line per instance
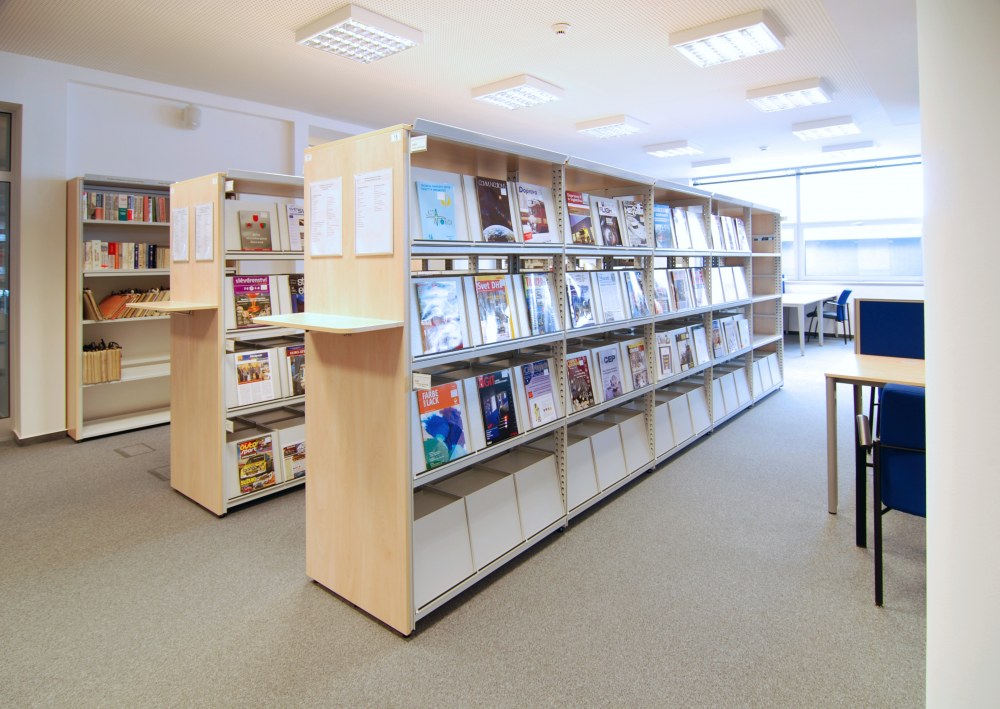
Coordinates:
827 128
712 163
808 92
844 148
358 34
728 40
673 149
517 92
611 126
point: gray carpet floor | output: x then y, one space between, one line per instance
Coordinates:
717 581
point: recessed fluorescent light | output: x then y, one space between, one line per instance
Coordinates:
848 147
827 128
611 126
358 34
673 149
729 40
517 92
711 163
808 92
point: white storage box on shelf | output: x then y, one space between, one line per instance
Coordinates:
772 362
698 402
581 475
442 553
635 436
491 504
680 413
727 382
762 376
609 456
719 408
536 481
663 430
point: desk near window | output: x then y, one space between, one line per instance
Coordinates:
800 301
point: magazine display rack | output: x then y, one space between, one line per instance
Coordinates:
140 395
386 529
207 422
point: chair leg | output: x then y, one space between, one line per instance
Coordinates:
877 509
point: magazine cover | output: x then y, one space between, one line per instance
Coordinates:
611 371
580 384
493 302
255 464
442 315
297 288
680 288
252 295
607 221
663 227
295 358
718 341
581 226
494 210
538 392
699 292
661 292
539 300
612 308
436 205
441 425
685 354
665 353
496 400
296 226
637 364
580 299
535 228
294 455
635 223
255 231
253 377
638 306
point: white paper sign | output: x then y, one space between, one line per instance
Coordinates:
326 218
204 232
179 243
373 213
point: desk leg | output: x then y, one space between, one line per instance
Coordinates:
860 477
822 321
802 331
831 445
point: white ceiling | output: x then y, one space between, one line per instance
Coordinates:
615 59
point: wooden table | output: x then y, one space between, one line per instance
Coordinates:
861 371
800 301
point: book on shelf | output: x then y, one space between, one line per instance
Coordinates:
255 463
124 256
294 357
718 296
696 228
493 303
741 235
496 403
732 333
439 212
663 227
255 230
579 299
729 289
666 355
249 297
682 344
442 424
90 309
743 330
114 305
581 385
580 221
662 302
441 312
540 303
680 288
609 292
702 354
101 362
253 225
297 292
606 221
536 212
609 365
715 231
635 351
634 221
538 400
719 348
296 216
740 280
699 289
682 233
494 213
638 307
100 205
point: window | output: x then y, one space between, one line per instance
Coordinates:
847 223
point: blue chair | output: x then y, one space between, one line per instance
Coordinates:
899 460
839 312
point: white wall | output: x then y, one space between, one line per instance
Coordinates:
78 121
958 52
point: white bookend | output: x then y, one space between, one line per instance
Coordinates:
438 208
251 225
663 432
606 443
718 400
680 414
634 434
536 482
491 505
442 552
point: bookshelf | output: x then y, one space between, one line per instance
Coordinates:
398 540
142 396
207 421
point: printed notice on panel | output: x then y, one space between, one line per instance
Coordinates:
204 232
326 224
373 213
179 234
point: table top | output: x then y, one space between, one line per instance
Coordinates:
872 369
793 300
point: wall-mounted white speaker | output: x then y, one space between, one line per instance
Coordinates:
191 116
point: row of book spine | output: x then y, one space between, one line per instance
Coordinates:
102 363
114 305
124 256
125 207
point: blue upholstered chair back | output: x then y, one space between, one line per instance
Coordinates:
842 306
904 472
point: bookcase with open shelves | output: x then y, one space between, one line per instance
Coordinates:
398 539
226 445
120 214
